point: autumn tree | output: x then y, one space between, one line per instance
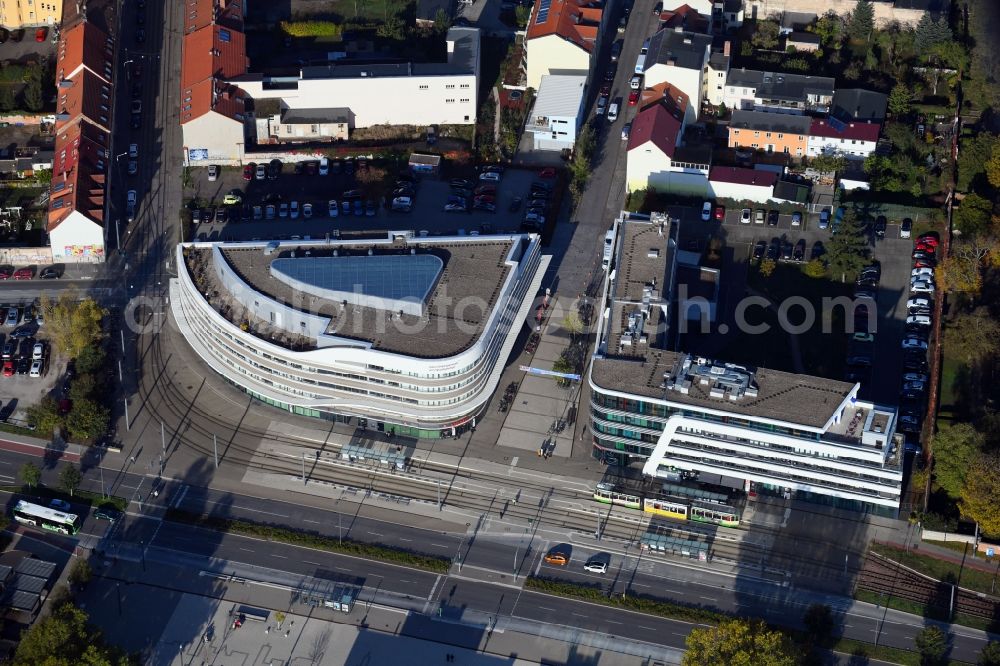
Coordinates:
992 167
979 493
64 638
973 335
973 215
765 35
900 100
932 646
767 266
815 268
72 324
738 642
959 272
955 448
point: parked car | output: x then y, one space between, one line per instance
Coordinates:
880 226
332 209
294 210
759 249
745 216
796 219
914 343
824 219
558 559
635 83
800 250
918 320
283 209
307 210
595 566
60 505
772 218
213 172
706 211
41 34
626 131
248 171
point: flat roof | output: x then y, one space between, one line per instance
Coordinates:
455 311
678 48
778 85
781 396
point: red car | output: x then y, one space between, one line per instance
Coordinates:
248 170
547 172
928 240
4 274
8 368
919 263
720 212
633 98
23 274
41 34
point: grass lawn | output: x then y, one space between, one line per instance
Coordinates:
822 353
950 370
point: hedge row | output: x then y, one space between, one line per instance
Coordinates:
312 540
311 28
641 604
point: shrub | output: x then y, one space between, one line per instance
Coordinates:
311 29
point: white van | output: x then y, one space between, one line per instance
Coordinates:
613 112
609 248
640 64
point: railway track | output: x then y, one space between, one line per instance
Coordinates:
887 577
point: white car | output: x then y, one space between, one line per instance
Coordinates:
133 150
635 82
307 210
213 172
745 216
706 211
36 368
918 303
38 351
626 131
922 271
596 567
914 377
324 166
922 287
333 208
295 210
918 320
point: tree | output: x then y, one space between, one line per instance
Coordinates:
827 162
571 322
82 388
932 645
30 474
33 97
992 168
442 21
280 617
8 101
70 478
982 487
990 656
392 28
738 642
900 100
973 335
815 268
973 214
564 365
819 622
44 415
80 574
91 360
954 449
64 638
931 31
959 272
765 35
521 15
579 166
829 28
88 420
862 21
767 266
974 152
847 252
72 324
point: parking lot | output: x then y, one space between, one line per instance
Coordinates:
18 388
430 196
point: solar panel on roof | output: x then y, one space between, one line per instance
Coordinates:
837 125
394 277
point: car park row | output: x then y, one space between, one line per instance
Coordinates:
21 353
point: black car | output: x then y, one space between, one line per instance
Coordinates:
136 121
880 226
4 35
273 169
23 365
515 204
799 253
48 273
140 35
462 182
774 249
786 250
245 213
17 35
818 250
758 250
609 75
772 218
221 215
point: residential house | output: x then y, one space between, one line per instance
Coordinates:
407 93
25 163
905 12
741 184
78 205
851 140
716 76
684 17
770 132
213 112
858 104
753 90
727 15
802 41
679 58
703 7
558 111
562 37
655 158
291 125
18 14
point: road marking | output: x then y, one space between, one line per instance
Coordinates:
708 598
612 622
270 513
306 520
402 539
180 497
313 563
281 556
547 608
645 627
249 550
342 569
579 614
376 534
437 545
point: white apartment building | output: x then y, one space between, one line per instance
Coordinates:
754 429
406 93
405 335
853 140
680 59
753 90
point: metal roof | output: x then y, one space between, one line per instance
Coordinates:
560 95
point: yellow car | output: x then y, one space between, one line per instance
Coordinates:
232 198
556 558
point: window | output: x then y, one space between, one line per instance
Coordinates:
781 136
288 129
449 86
756 135
721 74
449 101
768 135
464 85
424 87
464 101
754 145
786 149
314 129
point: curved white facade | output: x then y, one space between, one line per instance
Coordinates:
350 378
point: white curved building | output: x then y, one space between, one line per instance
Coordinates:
407 335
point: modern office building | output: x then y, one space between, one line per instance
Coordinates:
753 429
403 334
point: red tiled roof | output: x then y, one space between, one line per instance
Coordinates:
570 19
199 14
686 17
80 189
85 95
664 93
85 45
227 100
742 176
213 51
656 123
857 131
79 142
